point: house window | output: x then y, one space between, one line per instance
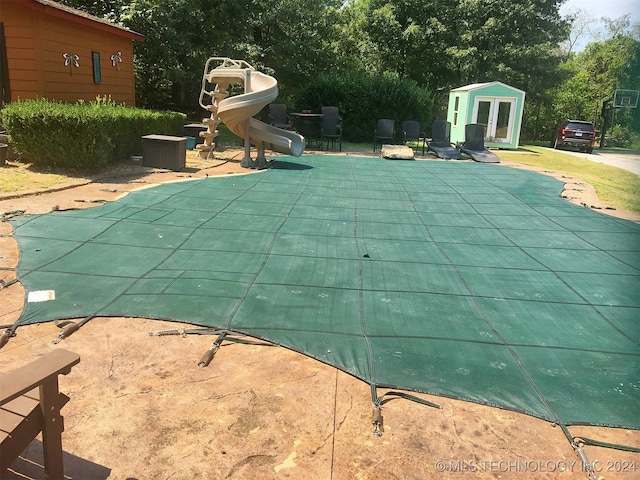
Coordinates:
97 73
456 107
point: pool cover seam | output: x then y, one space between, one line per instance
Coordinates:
266 256
511 350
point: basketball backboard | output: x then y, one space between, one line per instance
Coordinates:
625 98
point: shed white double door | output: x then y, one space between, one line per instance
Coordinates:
497 114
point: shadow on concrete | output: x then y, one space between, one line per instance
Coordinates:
30 465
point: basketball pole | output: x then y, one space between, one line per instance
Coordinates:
605 114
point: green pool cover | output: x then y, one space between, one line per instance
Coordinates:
463 280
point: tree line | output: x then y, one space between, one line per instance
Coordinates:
436 44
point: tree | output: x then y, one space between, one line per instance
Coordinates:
448 43
615 27
405 37
611 65
592 76
179 37
109 9
291 39
295 40
582 25
514 42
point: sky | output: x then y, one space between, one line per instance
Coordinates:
602 8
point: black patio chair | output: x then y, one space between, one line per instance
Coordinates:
330 111
278 116
440 142
386 130
474 136
473 144
411 133
331 130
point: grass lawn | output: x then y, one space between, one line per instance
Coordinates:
19 176
614 186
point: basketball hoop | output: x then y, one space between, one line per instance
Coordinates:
625 98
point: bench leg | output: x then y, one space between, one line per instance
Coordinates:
52 429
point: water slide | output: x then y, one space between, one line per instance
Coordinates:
237 111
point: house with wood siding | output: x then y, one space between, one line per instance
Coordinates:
49 50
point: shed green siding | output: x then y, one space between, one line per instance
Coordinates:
467 97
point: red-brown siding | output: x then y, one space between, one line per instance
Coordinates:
36 41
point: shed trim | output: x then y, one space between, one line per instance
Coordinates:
477 86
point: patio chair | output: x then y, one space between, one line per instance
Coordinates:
386 130
473 144
331 130
331 112
30 403
411 132
474 136
440 142
278 116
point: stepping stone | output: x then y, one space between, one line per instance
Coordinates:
396 152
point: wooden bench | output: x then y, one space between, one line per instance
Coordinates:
30 403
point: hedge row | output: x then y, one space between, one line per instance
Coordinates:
363 99
83 135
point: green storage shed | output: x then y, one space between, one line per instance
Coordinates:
495 105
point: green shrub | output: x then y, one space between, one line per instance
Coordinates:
83 135
363 99
620 137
